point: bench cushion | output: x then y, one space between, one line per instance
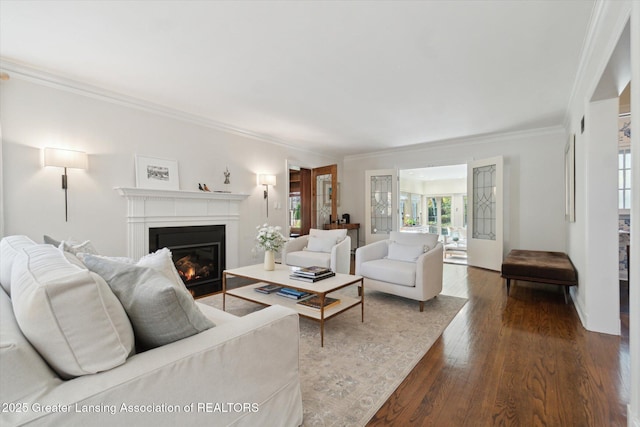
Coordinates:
548 267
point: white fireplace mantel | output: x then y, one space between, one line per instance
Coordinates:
150 208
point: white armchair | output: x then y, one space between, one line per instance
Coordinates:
407 264
324 248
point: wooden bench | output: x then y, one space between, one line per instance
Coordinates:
542 267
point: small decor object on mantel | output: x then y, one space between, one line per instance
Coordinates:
227 175
271 240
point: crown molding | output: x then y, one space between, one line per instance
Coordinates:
48 79
466 141
600 10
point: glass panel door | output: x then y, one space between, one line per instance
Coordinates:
381 205
485 242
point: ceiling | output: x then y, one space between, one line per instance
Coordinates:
329 76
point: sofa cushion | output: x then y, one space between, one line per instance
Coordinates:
428 240
338 234
68 313
309 259
391 271
22 371
10 247
401 252
320 244
160 311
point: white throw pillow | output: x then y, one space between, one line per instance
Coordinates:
320 244
10 247
428 240
160 311
68 313
338 234
400 252
76 248
162 261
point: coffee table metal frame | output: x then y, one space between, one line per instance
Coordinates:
280 277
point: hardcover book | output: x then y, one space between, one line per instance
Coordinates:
314 302
312 271
312 279
268 289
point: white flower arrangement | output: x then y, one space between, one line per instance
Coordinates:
270 238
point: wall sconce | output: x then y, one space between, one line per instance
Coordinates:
267 180
65 159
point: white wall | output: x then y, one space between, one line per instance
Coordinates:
534 177
598 62
35 116
634 296
592 238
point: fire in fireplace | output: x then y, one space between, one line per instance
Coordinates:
198 253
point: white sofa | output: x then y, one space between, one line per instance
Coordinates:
324 248
242 371
407 264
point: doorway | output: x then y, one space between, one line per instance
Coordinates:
624 197
299 201
434 200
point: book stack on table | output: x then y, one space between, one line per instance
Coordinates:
312 274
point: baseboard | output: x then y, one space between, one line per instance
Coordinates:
579 309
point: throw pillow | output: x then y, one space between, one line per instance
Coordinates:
320 244
402 252
51 241
76 248
160 312
162 261
10 247
69 314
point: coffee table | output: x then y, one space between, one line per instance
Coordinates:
280 277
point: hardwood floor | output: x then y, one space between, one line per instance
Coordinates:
522 360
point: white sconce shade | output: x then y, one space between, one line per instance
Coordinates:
65 158
267 180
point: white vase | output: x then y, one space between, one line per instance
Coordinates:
269 260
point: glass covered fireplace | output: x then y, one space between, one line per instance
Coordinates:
198 253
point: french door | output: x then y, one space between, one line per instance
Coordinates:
325 194
485 207
381 203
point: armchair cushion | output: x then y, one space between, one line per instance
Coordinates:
320 244
309 259
391 271
400 252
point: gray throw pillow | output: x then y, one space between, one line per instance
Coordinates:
160 312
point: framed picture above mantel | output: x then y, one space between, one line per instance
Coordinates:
152 172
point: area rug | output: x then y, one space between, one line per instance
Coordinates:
361 364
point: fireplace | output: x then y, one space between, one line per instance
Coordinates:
198 253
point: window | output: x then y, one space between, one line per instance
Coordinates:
624 161
624 179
